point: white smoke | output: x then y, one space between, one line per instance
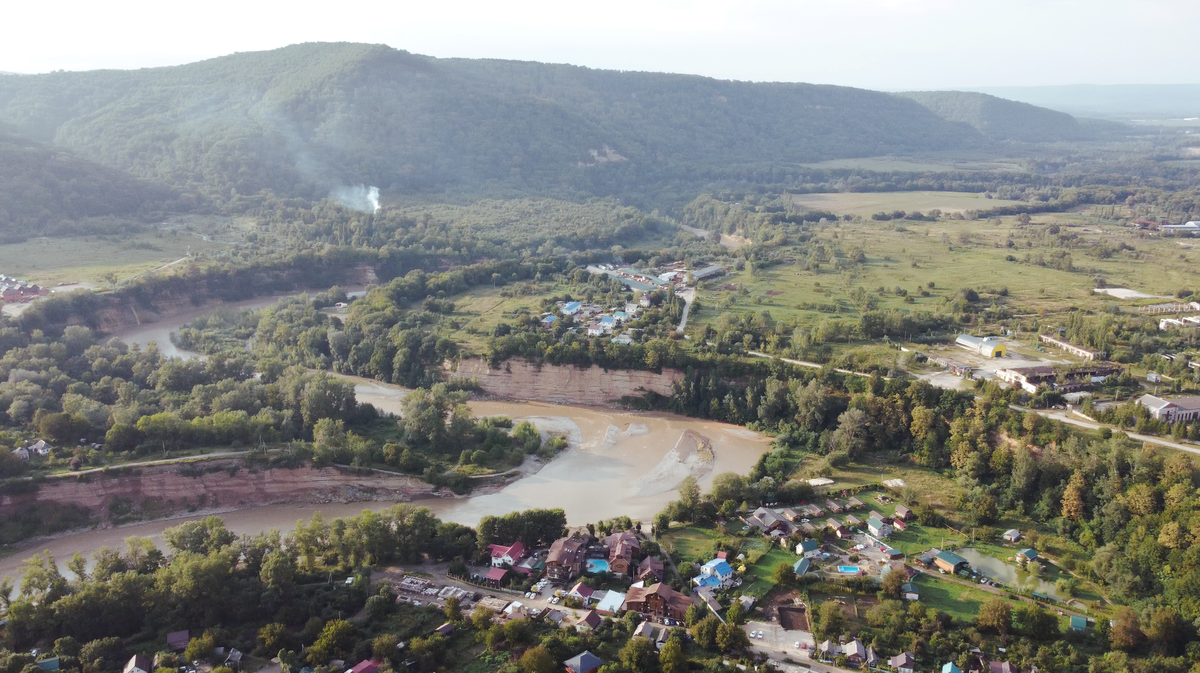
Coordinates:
359 197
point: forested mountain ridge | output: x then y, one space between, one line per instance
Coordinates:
1003 119
306 119
49 190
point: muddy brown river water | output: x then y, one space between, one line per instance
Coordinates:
618 463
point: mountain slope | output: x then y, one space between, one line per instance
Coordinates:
1000 119
306 119
46 190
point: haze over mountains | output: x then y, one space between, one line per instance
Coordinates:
1113 101
309 119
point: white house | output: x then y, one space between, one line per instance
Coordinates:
506 555
716 574
878 528
1012 535
809 549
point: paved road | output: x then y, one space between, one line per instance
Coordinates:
779 644
1066 417
688 296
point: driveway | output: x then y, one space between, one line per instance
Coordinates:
779 645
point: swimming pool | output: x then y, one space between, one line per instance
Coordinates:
597 565
848 570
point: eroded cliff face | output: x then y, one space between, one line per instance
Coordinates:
520 380
226 484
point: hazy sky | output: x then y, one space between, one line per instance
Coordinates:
882 44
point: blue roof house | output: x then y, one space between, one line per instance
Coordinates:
716 574
949 667
572 308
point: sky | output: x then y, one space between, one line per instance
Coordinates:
878 44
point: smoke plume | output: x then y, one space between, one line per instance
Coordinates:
359 197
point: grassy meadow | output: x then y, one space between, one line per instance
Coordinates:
90 259
951 255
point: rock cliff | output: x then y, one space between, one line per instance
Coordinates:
227 484
520 380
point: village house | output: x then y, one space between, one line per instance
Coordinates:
366 666
879 528
657 600
716 574
809 549
801 567
623 548
1002 667
832 506
854 503
829 650
140 663
904 662
650 570
565 559
903 513
855 652
582 593
594 329
910 592
767 520
838 529
610 603
506 555
950 562
899 524
1012 535
21 453
572 307
178 640
589 621
584 662
495 577
1027 555
852 521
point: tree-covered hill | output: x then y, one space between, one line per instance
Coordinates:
306 119
48 190
1002 119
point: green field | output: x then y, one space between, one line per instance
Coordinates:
952 255
762 570
89 259
865 204
950 597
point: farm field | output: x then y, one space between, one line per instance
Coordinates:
866 204
89 259
902 258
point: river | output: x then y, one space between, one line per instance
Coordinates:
617 463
